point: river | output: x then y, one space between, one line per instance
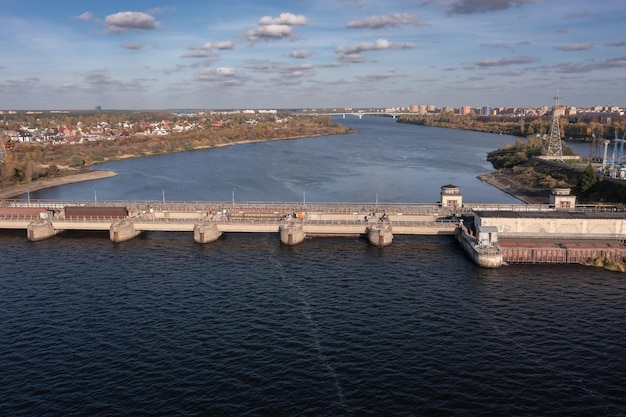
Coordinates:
245 326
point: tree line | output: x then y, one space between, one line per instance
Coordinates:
25 162
576 127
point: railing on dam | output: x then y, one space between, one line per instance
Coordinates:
235 206
270 207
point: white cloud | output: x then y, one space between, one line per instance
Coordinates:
275 27
381 22
300 54
269 32
123 21
86 17
287 19
378 45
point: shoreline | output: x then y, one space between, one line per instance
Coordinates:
495 179
525 194
17 190
82 176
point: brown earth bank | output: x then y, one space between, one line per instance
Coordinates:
507 183
531 183
17 190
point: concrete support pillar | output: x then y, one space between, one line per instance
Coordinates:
206 232
122 231
291 234
40 231
380 235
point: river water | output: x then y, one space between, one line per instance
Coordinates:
160 325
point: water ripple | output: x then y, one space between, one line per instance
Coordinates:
332 327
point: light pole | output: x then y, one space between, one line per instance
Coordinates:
233 204
95 196
376 200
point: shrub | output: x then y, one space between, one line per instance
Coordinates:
76 161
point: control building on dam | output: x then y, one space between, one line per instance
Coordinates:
492 234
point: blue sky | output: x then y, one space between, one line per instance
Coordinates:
139 54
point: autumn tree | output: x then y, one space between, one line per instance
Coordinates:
587 179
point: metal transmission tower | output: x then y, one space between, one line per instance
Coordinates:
552 148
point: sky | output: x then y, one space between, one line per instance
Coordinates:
243 54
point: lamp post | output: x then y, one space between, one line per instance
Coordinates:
376 200
233 203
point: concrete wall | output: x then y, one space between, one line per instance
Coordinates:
553 226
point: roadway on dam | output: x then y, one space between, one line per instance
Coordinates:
316 219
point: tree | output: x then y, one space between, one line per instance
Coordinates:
587 179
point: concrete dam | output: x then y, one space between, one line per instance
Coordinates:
491 234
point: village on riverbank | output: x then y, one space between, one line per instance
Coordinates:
46 150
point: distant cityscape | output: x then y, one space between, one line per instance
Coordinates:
424 109
110 125
420 109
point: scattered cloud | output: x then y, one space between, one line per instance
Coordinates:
175 69
19 85
378 45
501 62
198 53
123 21
99 81
132 46
575 47
612 63
381 76
484 6
312 46
300 54
275 27
222 46
86 17
222 77
354 3
382 22
286 19
285 71
617 62
616 44
515 73
269 32
206 50
351 58
495 45
585 14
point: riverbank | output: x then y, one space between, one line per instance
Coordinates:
15 191
81 176
513 187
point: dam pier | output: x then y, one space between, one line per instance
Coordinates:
492 235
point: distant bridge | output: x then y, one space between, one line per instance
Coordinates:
358 114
